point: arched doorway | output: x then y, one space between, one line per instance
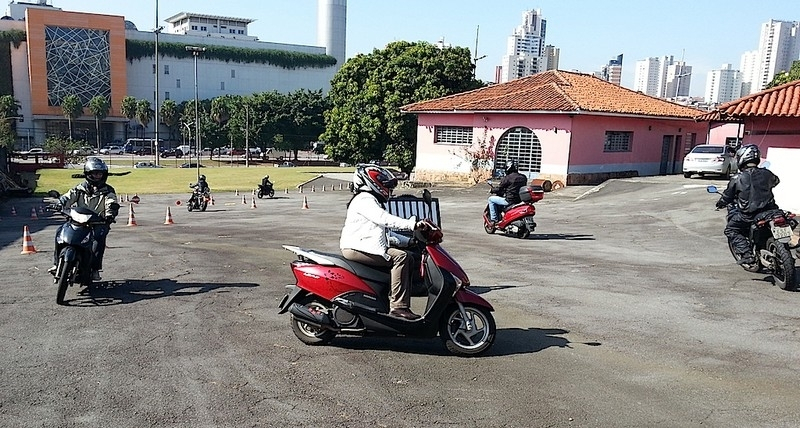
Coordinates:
521 144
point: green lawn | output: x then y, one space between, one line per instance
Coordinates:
176 180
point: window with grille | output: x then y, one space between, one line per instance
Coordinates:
453 135
522 145
618 141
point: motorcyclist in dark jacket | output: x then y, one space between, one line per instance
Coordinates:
200 187
751 193
507 193
265 183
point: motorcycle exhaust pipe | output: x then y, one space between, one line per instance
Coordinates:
303 314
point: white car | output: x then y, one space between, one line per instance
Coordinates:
111 150
146 165
710 159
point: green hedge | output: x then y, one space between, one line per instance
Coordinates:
138 49
13 36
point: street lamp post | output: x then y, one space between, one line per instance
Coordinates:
246 136
196 50
156 31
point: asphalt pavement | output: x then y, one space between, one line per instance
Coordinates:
624 309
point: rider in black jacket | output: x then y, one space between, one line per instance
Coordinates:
508 191
200 187
751 192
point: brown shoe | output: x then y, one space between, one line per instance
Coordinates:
404 313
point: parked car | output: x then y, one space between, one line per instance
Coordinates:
710 159
146 165
190 165
36 151
83 151
168 153
111 150
286 164
143 151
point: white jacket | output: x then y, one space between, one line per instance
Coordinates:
365 227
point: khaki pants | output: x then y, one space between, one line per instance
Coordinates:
399 260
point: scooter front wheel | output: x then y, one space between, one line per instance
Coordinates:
309 334
64 271
467 337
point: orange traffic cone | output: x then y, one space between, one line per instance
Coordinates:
135 199
212 200
340 186
13 211
254 192
253 205
244 200
27 243
312 188
300 190
168 220
131 218
287 191
305 203
236 192
33 214
323 187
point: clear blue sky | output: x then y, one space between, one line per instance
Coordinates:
707 33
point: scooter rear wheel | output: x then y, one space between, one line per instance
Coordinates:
465 342
309 334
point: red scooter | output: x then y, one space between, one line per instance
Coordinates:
515 219
334 295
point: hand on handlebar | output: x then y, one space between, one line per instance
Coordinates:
721 203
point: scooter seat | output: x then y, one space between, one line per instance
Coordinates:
360 270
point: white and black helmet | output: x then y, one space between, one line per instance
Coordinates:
95 171
748 154
374 179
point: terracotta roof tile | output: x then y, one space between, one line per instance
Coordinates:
783 100
560 91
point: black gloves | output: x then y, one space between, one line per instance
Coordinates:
721 203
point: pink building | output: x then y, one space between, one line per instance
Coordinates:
569 128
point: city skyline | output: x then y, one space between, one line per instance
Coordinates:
705 35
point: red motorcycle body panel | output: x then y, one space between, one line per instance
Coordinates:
327 281
468 297
516 213
446 262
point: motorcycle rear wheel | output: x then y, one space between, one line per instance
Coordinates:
65 272
467 343
783 271
309 334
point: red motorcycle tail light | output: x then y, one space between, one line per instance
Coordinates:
779 221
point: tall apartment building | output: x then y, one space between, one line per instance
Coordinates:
723 85
612 72
552 53
748 67
778 47
663 77
525 54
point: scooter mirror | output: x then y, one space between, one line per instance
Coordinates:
426 197
711 189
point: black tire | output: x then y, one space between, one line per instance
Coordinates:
271 193
783 271
687 175
64 280
203 205
524 233
189 206
260 194
754 267
309 334
488 227
455 337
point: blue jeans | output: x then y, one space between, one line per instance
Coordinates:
494 202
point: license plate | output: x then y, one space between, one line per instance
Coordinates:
781 232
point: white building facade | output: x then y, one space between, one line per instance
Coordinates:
525 53
723 85
663 77
778 47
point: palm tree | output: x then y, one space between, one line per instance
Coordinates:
73 109
99 107
9 108
128 109
144 113
169 115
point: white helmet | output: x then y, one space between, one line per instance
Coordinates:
374 179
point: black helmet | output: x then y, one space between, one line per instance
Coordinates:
511 166
202 177
266 176
95 171
748 154
372 178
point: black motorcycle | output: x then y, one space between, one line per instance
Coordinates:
74 244
770 235
198 201
265 190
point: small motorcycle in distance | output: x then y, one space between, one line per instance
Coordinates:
74 242
198 201
333 295
770 235
267 190
515 219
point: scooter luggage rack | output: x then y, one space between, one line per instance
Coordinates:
406 206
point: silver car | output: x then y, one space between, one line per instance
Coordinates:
710 159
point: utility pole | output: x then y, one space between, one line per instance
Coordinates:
476 58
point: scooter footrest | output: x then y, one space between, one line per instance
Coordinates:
354 306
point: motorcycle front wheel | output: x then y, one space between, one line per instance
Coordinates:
309 334
271 193
64 272
260 194
203 205
467 337
782 265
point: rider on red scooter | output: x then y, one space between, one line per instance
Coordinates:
365 237
508 191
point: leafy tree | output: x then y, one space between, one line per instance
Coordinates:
9 108
364 121
72 108
99 107
144 113
302 120
169 116
62 148
786 77
128 109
